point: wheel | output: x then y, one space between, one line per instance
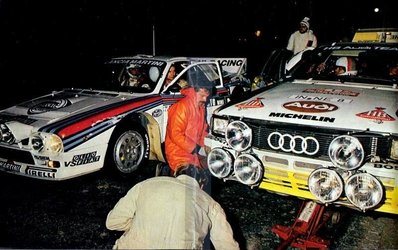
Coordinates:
128 149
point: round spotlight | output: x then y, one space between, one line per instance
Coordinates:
220 162
248 169
346 152
37 142
325 184
364 191
238 135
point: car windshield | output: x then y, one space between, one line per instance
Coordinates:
370 64
131 75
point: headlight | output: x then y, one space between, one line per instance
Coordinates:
238 135
219 125
219 162
248 169
46 143
325 184
6 135
394 150
364 191
346 152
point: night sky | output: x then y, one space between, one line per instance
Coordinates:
55 42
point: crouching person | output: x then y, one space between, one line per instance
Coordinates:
170 213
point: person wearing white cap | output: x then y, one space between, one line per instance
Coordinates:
302 38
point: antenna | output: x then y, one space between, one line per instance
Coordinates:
153 40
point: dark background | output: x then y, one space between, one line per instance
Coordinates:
47 44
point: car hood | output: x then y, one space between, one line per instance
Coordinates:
58 105
331 105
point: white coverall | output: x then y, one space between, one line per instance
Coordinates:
169 213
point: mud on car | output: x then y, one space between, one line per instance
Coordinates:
118 123
313 134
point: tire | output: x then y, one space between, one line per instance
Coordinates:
128 150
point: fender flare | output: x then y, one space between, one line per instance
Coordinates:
153 130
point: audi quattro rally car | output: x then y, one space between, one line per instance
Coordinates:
73 132
314 134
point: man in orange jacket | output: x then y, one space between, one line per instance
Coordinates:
187 125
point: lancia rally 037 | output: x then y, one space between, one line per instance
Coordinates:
120 125
326 130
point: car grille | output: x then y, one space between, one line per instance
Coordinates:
373 144
16 155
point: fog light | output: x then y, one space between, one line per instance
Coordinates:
325 184
248 169
219 162
53 164
346 152
364 191
238 135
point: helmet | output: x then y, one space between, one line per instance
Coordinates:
348 64
154 73
130 69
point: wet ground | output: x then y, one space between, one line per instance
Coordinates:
71 214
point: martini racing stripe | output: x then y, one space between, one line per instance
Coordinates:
86 135
75 124
88 122
77 139
92 131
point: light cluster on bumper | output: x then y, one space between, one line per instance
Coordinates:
341 181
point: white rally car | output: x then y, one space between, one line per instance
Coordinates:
121 125
316 134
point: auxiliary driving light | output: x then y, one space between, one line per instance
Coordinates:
346 152
248 169
219 162
46 143
325 184
238 135
364 191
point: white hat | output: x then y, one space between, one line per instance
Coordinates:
306 22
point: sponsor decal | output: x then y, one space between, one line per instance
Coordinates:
9 166
386 166
332 92
147 62
231 62
378 115
157 113
320 98
303 117
48 105
250 104
135 61
41 158
83 159
41 172
293 143
310 106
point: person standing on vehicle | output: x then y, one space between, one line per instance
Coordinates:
187 125
302 38
170 213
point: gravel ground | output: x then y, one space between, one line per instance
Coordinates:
71 214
